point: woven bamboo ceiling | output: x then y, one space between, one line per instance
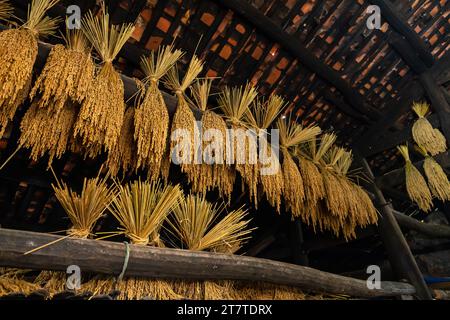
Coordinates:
319 55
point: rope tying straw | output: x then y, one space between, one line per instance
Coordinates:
125 261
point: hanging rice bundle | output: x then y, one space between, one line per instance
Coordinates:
141 208
6 10
195 224
291 136
83 210
432 140
123 155
18 52
101 116
152 117
267 170
47 133
242 149
416 186
184 124
67 74
437 178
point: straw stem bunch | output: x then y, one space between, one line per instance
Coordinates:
6 10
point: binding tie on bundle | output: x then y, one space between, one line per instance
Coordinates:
135 239
79 233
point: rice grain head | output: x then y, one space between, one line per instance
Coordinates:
432 140
416 185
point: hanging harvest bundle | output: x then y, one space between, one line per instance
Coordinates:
437 178
261 116
152 118
184 125
292 135
195 224
67 74
47 133
6 10
416 186
18 52
83 210
141 208
101 115
212 172
431 140
242 147
123 155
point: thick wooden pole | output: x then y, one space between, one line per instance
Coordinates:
144 261
399 253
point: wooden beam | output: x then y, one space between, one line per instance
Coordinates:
396 21
397 177
302 53
399 253
144 261
431 230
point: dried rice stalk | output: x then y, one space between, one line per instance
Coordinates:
152 117
194 223
292 135
432 140
141 208
6 10
123 156
12 281
47 133
437 178
101 115
184 119
67 74
416 185
235 103
18 52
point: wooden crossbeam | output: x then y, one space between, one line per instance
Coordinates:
107 257
303 54
396 21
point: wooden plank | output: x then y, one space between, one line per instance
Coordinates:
429 229
107 257
308 59
399 23
399 253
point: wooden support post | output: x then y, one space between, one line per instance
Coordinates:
399 253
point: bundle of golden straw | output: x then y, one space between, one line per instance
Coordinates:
242 144
124 154
184 131
430 139
67 74
141 208
101 115
267 171
291 136
196 225
83 209
6 10
416 186
45 132
18 52
152 118
437 178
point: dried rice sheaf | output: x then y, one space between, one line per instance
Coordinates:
429 138
101 115
184 121
152 117
67 74
18 52
416 186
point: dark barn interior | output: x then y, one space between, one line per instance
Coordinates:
334 72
